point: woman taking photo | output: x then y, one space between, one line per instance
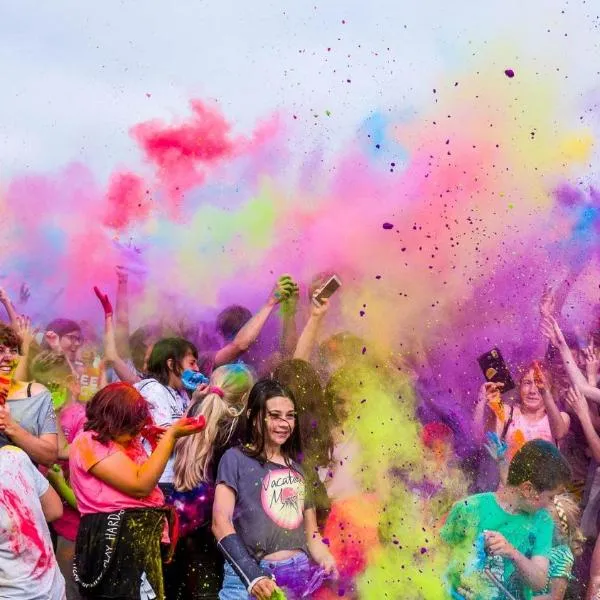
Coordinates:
265 524
123 522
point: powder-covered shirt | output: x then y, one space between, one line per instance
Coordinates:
270 503
529 533
35 414
94 495
166 406
28 567
561 565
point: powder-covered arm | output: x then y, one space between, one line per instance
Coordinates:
307 338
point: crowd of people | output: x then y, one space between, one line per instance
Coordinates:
160 464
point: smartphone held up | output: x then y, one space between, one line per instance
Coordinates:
326 290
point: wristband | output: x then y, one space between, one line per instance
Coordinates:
234 550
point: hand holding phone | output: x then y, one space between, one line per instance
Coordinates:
495 370
326 290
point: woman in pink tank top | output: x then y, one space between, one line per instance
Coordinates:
534 415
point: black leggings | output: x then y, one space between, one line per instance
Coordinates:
196 572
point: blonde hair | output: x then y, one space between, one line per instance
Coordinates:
566 514
222 409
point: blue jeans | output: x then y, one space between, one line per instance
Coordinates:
297 576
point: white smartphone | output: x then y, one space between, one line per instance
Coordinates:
327 290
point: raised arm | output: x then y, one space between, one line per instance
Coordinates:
484 418
289 331
111 354
122 312
8 305
579 405
552 331
27 334
307 339
559 421
248 334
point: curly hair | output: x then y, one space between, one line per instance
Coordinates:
9 337
115 410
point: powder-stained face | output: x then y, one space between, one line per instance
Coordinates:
531 397
9 360
70 344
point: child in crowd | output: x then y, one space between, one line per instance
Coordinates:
198 561
118 553
264 521
27 419
510 527
566 545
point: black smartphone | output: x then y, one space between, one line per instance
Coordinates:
495 370
327 290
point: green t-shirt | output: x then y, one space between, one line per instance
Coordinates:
530 534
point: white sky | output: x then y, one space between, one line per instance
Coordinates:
75 74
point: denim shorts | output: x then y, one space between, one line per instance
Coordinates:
298 576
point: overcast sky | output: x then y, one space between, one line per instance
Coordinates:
76 75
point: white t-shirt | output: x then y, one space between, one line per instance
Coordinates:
166 406
28 567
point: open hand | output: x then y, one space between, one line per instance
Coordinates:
592 363
23 327
24 293
104 300
53 340
576 400
547 303
553 332
187 426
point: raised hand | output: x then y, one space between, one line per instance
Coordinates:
283 289
26 332
106 305
319 311
24 293
547 302
576 400
4 297
53 340
187 426
553 332
592 362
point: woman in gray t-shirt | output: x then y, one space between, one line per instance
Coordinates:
262 518
27 417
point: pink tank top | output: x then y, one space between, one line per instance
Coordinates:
522 430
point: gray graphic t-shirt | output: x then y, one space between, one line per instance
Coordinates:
270 502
